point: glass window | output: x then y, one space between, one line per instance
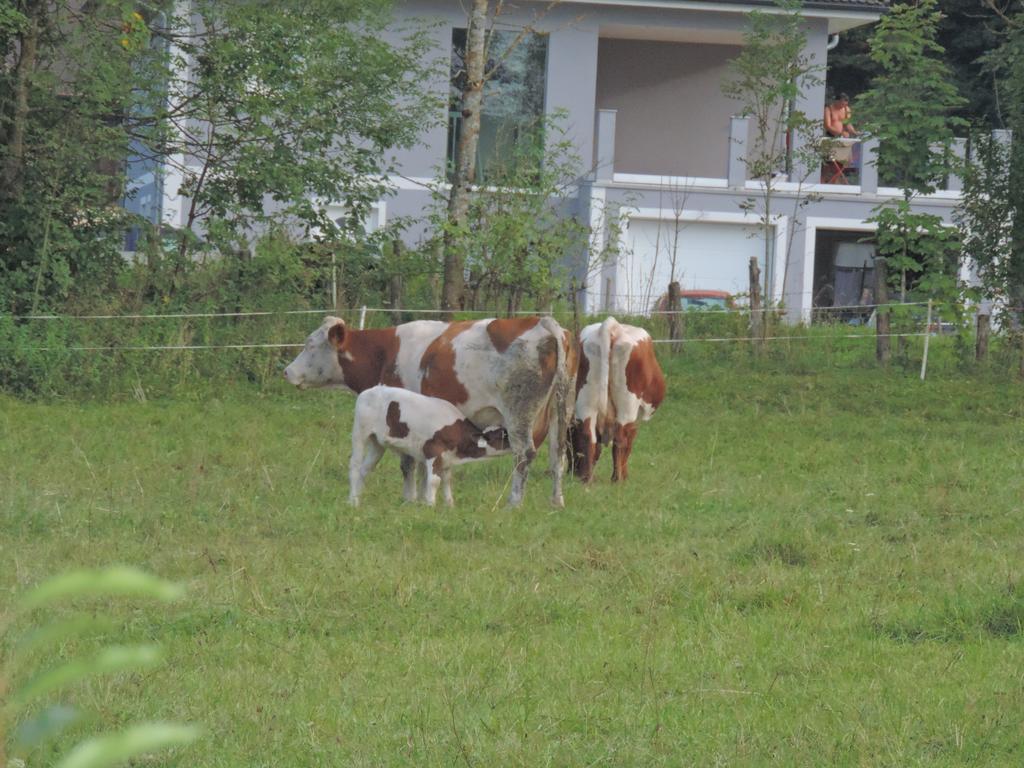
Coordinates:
513 95
704 302
143 187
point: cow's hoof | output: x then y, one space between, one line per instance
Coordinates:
558 502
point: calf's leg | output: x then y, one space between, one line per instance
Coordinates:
446 486
408 464
431 480
365 455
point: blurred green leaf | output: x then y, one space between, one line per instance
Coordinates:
47 723
113 659
114 748
119 580
60 630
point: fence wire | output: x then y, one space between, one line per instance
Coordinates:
869 332
487 312
298 345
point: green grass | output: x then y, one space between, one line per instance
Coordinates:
804 569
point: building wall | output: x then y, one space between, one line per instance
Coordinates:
662 70
672 117
794 273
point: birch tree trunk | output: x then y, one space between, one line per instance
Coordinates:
465 154
23 71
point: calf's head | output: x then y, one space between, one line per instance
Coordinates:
319 362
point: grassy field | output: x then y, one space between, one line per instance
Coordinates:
814 569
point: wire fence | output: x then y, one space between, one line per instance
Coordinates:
695 314
141 355
479 312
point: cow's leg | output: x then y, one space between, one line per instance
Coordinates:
365 455
622 446
431 480
583 450
520 438
446 486
409 478
519 475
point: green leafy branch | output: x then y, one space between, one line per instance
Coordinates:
30 731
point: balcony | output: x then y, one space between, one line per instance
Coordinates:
851 172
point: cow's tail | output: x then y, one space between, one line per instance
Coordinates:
602 375
561 383
562 390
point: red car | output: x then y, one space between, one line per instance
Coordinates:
698 299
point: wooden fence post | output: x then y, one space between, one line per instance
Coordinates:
673 315
981 342
756 315
882 318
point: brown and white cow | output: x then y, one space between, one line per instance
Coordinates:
430 431
619 385
513 373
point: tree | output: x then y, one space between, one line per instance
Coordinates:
481 63
68 75
965 31
767 79
465 153
992 211
910 108
521 235
986 216
266 113
267 126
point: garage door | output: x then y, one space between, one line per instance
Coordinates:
708 256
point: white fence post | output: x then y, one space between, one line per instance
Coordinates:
927 337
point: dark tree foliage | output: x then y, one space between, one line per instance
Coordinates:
909 108
967 31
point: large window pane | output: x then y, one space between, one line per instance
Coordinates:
513 95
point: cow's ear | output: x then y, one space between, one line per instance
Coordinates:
336 334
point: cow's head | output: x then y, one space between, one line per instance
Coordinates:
319 362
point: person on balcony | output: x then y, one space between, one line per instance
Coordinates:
837 118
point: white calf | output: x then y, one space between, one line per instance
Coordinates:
430 431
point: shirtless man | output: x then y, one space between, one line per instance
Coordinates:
837 118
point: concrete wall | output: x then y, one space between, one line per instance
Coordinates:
672 117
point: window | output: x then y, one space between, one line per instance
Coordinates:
513 96
143 169
143 192
372 222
